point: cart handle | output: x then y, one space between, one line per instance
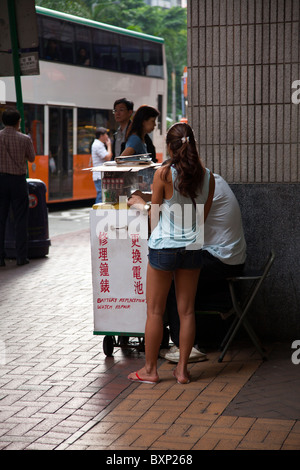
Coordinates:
119 228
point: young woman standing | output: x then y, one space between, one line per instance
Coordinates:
182 182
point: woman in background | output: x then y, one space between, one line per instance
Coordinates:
143 123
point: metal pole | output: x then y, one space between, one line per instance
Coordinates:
15 56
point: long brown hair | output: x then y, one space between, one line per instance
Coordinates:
185 159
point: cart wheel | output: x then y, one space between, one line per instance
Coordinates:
108 345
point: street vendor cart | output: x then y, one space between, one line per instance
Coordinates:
119 248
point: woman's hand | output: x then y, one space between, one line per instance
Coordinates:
137 202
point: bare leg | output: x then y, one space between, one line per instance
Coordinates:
158 286
186 281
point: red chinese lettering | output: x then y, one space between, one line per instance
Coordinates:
138 288
104 285
135 240
103 236
136 271
136 256
103 254
103 269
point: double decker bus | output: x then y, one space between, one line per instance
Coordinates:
84 67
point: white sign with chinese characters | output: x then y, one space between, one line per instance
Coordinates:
119 251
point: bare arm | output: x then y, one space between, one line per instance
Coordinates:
138 199
158 194
109 149
128 151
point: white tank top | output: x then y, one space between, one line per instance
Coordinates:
177 225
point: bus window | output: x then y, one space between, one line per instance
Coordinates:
105 50
52 50
88 121
34 123
34 126
153 59
82 45
71 43
60 153
131 56
57 40
66 35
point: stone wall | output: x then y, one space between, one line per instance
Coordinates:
243 73
271 219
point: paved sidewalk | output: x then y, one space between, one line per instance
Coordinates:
59 391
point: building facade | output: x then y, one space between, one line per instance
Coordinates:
244 106
167 3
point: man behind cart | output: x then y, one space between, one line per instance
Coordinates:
123 110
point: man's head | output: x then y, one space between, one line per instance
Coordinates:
101 134
11 117
123 110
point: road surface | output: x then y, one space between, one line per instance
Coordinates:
66 219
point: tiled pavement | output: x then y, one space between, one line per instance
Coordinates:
59 391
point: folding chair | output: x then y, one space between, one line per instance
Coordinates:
240 307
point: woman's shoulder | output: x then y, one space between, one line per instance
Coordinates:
164 173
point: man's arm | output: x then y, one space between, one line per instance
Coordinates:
109 150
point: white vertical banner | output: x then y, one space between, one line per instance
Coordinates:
119 251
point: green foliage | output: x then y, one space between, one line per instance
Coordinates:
78 8
117 13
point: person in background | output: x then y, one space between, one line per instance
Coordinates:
143 123
101 152
123 110
82 57
224 255
15 150
185 183
52 50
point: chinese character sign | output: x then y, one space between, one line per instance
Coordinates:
119 251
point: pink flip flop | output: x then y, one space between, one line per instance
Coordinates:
140 380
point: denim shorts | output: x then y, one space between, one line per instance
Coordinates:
170 259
